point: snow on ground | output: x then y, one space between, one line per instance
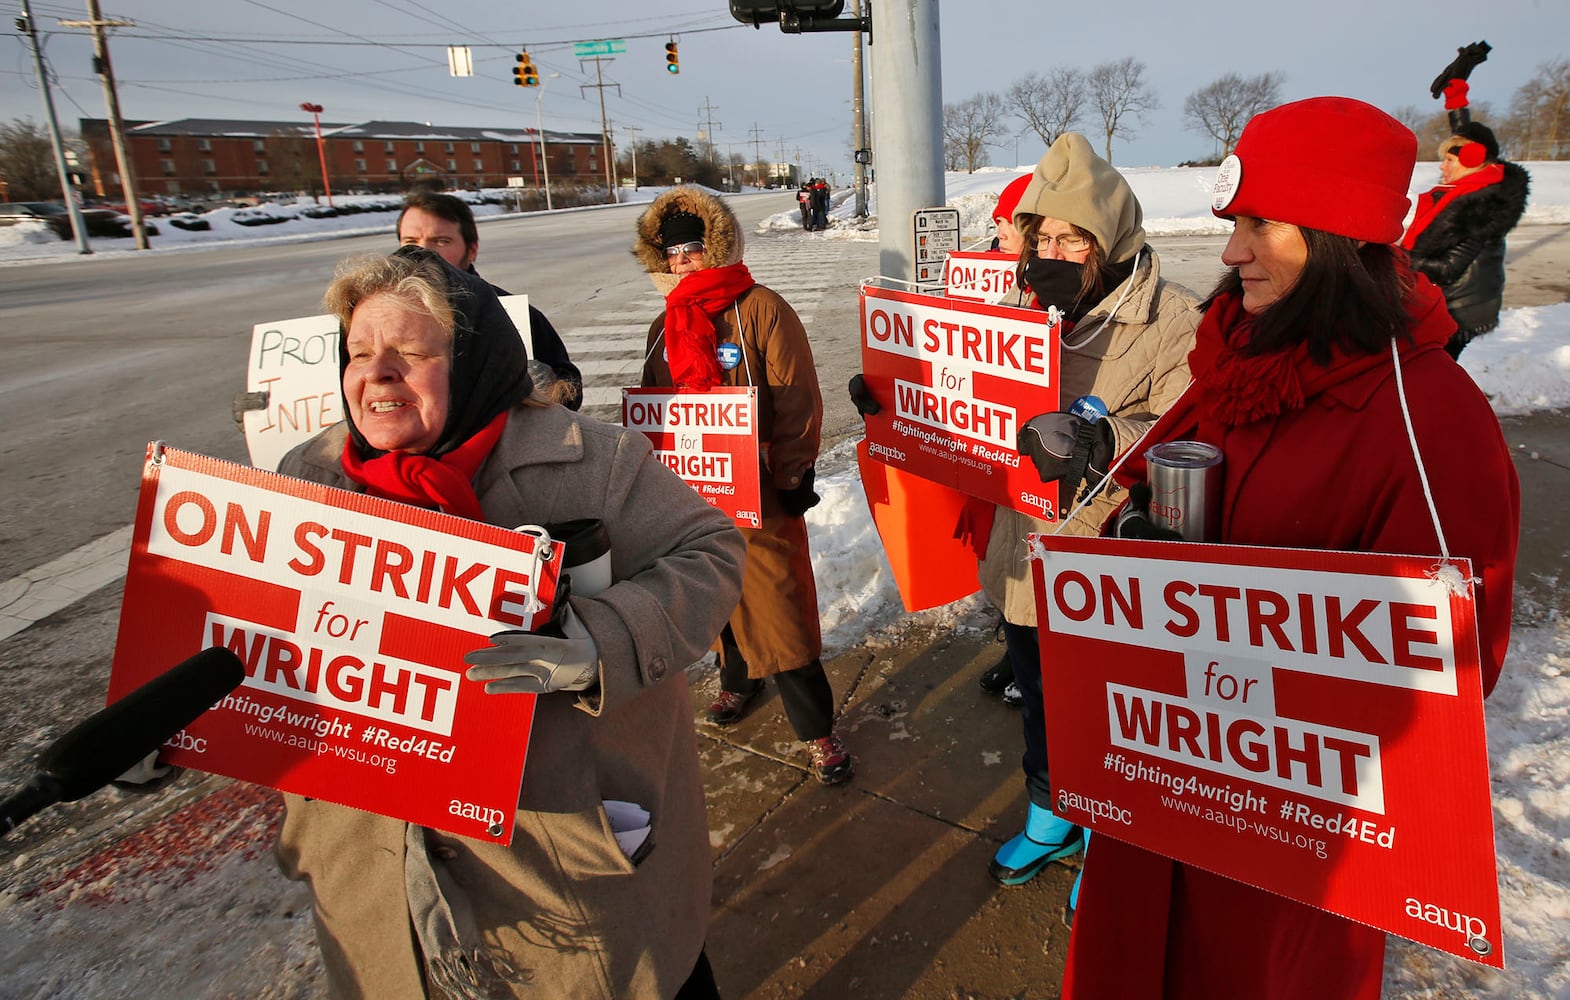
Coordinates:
1524 366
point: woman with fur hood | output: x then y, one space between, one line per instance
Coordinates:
722 328
1457 235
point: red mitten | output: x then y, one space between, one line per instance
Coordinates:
1455 94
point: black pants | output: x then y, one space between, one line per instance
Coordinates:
1025 657
700 985
804 692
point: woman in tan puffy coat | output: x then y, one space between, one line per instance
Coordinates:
1126 341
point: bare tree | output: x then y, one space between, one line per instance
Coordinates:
27 162
1221 109
969 127
1049 105
1118 91
1538 126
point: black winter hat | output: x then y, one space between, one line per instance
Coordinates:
1482 135
680 227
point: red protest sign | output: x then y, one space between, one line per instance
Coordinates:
956 379
710 439
1278 716
351 615
984 276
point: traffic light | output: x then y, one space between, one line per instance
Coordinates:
525 74
672 58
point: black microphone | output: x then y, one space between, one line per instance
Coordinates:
111 741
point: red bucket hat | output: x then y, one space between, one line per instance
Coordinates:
1356 186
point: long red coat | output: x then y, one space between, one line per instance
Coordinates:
1336 473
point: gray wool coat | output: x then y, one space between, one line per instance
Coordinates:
561 911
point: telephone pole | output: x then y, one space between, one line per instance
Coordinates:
25 23
608 149
708 112
757 157
133 204
634 129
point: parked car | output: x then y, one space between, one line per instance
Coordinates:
100 221
189 221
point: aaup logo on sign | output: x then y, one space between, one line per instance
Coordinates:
729 355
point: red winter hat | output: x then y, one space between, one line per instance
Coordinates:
1008 198
1280 170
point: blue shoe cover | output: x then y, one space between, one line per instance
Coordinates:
1046 838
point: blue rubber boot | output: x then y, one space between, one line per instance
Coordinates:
1046 838
1073 894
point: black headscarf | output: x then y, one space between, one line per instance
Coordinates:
490 365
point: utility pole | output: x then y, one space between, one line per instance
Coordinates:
608 150
708 112
859 117
757 157
25 24
133 204
634 129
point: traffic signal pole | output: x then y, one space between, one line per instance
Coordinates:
907 125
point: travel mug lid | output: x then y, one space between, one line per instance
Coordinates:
1183 454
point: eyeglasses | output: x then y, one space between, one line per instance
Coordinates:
1069 243
693 249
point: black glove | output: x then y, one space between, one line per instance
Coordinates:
1061 443
1134 519
862 397
800 499
1467 59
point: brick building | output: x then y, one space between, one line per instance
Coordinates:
218 157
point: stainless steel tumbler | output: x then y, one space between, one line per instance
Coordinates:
1185 486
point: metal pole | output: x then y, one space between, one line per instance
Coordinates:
133 204
540 128
321 154
909 95
858 117
72 210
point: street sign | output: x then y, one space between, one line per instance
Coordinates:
602 47
934 232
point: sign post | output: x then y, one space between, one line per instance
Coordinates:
934 235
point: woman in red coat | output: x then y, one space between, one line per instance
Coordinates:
1296 382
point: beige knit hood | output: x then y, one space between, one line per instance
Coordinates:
722 239
1073 184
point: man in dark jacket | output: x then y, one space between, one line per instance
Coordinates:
445 224
1457 236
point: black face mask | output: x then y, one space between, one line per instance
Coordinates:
1057 283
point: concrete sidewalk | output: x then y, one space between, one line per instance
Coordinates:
878 888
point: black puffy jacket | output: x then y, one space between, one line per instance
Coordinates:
1463 249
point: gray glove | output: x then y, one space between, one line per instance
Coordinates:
537 662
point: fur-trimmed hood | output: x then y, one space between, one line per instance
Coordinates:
722 239
1485 215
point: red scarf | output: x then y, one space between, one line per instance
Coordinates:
690 309
1242 389
1429 206
444 483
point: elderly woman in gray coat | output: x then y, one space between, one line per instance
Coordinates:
438 407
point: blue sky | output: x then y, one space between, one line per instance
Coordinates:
791 93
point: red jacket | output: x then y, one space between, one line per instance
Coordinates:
1336 472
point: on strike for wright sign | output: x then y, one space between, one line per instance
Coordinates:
956 379
351 615
1307 722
